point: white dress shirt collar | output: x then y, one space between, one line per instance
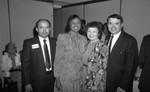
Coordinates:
115 38
41 39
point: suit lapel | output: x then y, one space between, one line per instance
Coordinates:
39 51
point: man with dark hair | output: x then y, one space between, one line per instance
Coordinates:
37 59
122 61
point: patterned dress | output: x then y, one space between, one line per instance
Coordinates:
68 64
95 63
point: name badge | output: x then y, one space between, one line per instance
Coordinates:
35 46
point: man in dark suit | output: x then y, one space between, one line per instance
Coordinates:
144 64
37 65
122 61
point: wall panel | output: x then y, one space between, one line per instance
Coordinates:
24 14
4 26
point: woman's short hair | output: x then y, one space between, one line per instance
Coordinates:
95 24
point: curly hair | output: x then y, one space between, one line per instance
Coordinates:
68 28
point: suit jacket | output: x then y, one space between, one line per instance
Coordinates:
144 63
33 65
122 63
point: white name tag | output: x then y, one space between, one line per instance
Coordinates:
35 46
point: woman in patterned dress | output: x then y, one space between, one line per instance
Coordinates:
69 51
94 60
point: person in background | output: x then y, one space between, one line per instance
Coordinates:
11 65
144 64
38 58
83 23
35 33
95 59
69 51
1 80
106 33
122 61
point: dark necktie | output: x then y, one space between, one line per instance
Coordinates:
47 57
110 43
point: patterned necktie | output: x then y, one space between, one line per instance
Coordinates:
47 57
110 43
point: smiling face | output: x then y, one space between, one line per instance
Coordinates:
114 25
92 33
75 24
43 29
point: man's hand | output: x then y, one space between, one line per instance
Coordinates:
120 90
28 88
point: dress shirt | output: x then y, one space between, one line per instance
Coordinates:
115 38
49 50
7 63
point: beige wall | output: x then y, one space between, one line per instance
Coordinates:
100 11
136 15
23 16
4 26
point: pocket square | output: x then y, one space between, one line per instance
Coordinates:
35 46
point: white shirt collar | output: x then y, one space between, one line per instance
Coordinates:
41 39
115 38
117 35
